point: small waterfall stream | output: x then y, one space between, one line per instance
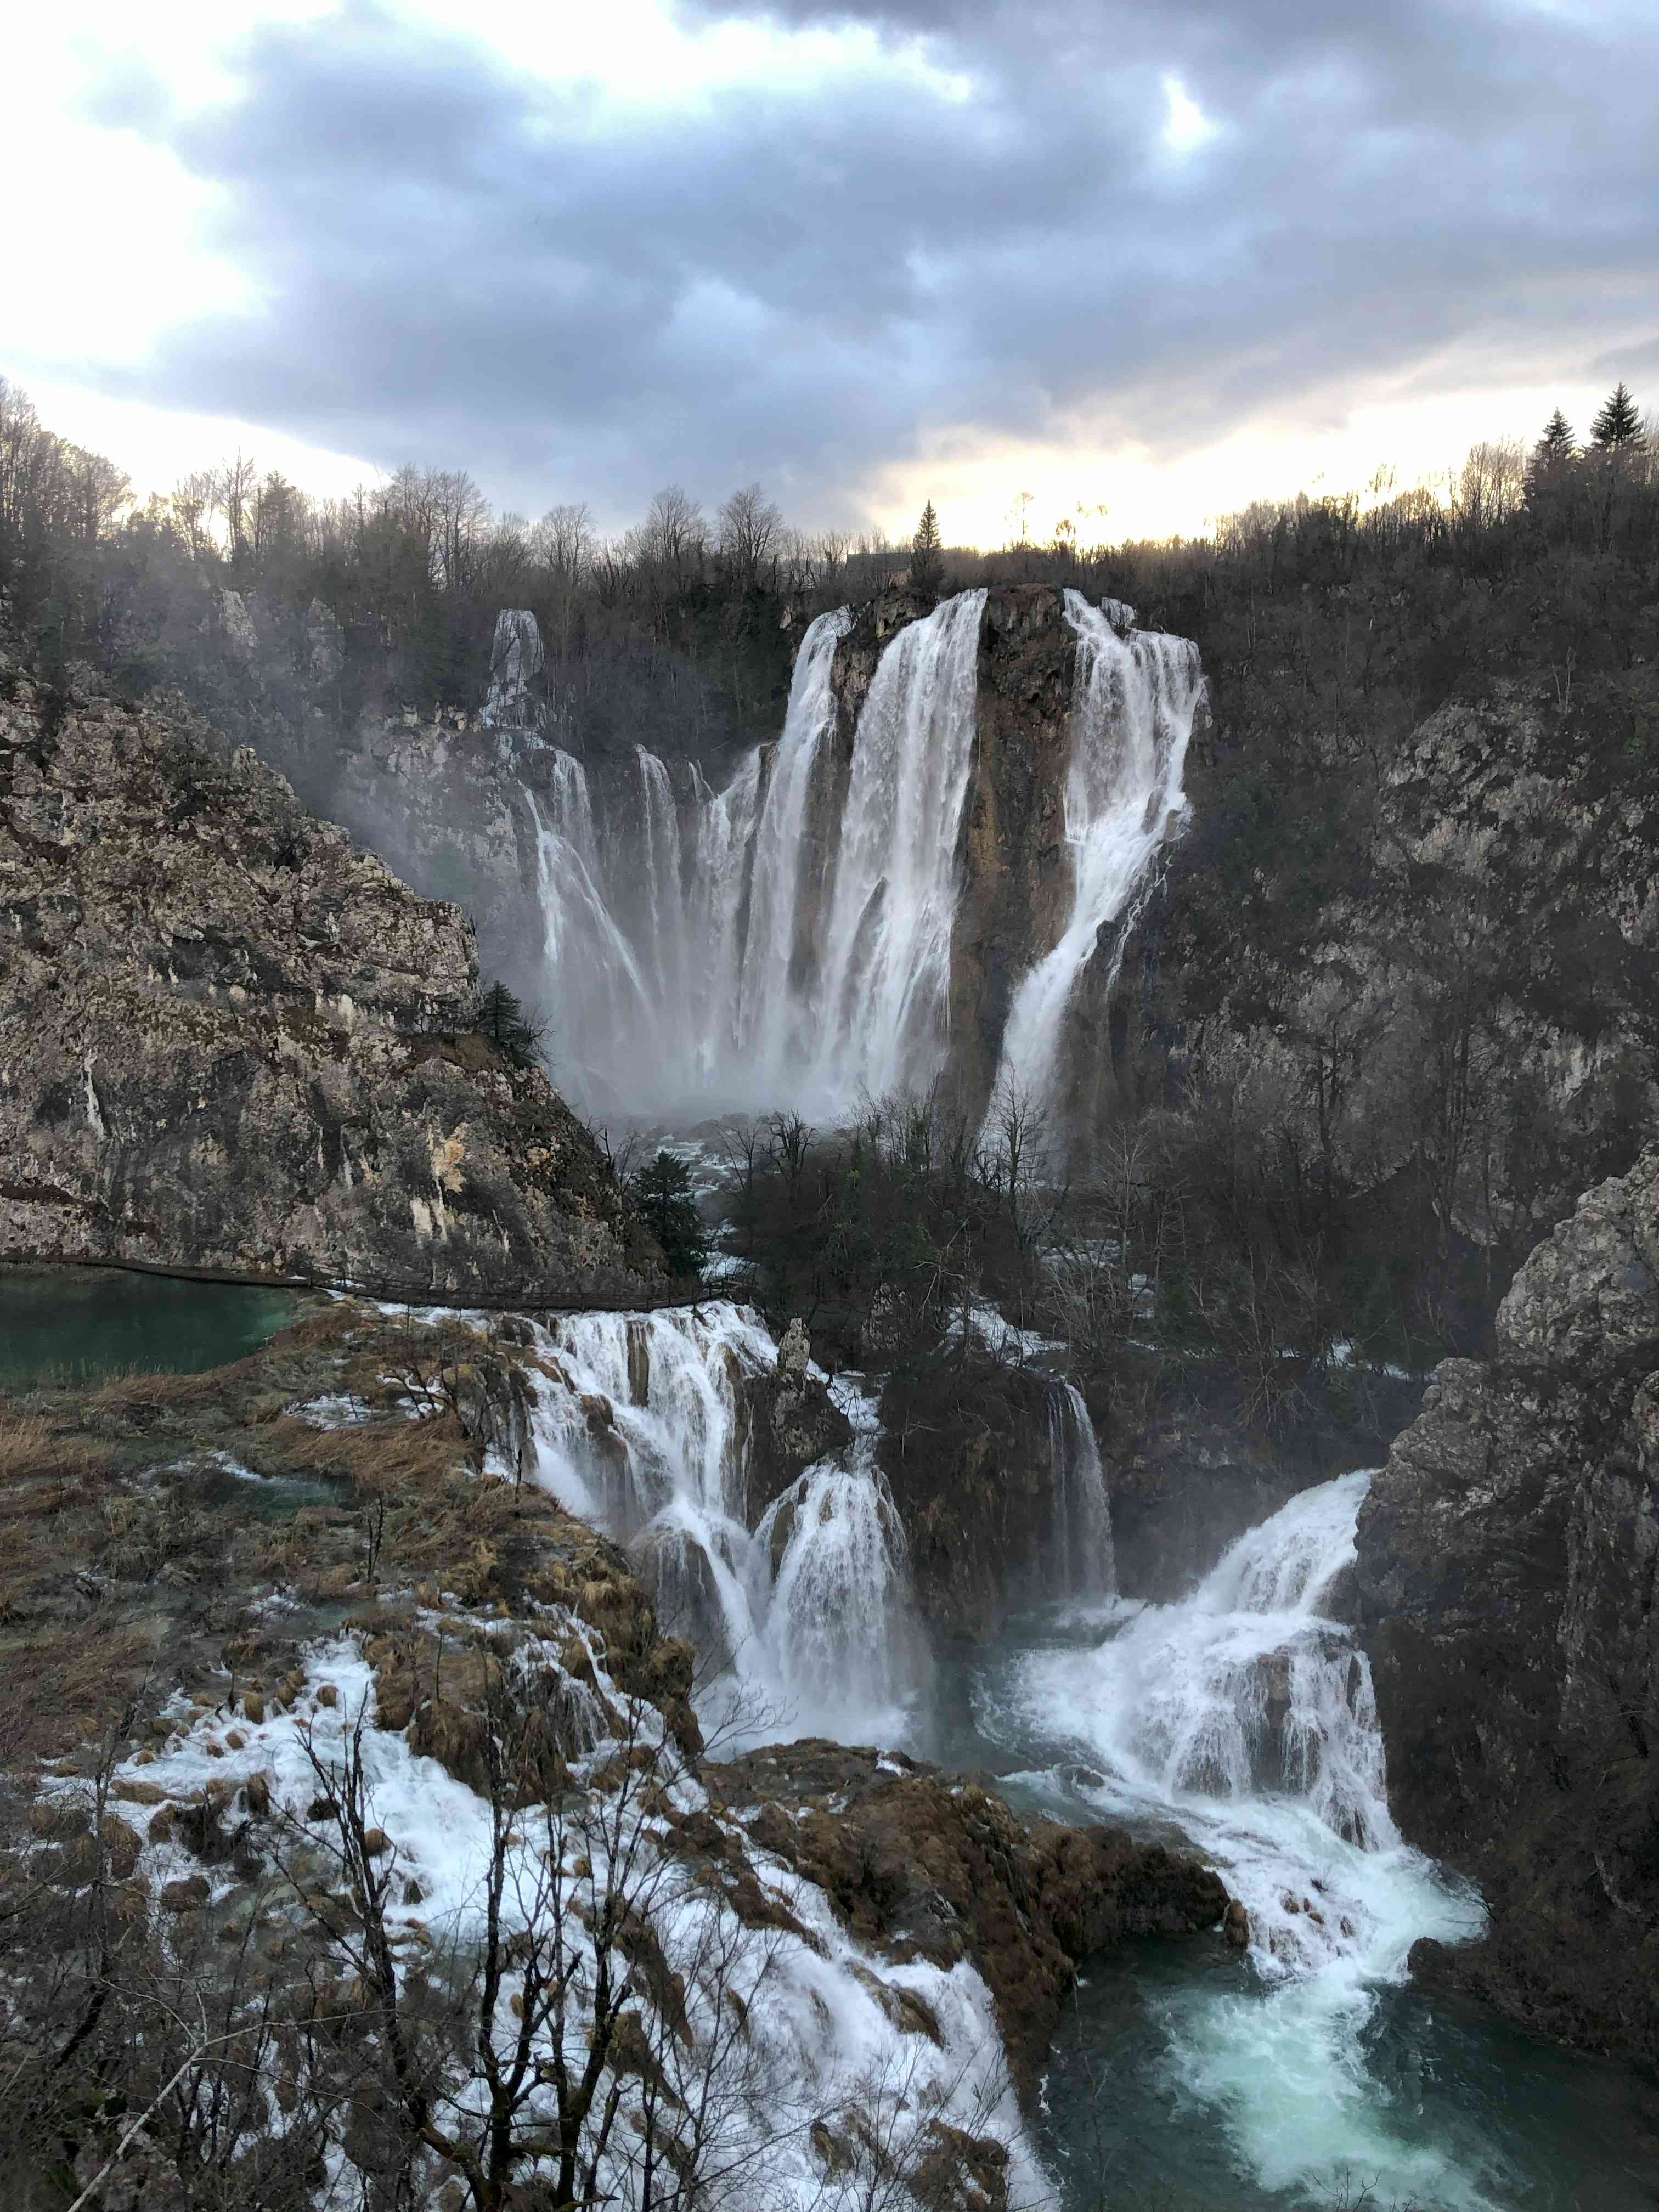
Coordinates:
1083 1565
803 1626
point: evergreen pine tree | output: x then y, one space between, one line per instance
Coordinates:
1557 443
926 557
500 1017
662 1192
1618 426
1552 464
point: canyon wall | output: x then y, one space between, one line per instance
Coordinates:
233 1043
1508 1586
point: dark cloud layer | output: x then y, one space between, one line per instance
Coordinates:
456 261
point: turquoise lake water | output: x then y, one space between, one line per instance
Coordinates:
74 1324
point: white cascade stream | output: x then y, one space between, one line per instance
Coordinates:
772 1012
1243 1717
882 998
1083 1565
642 1429
1134 700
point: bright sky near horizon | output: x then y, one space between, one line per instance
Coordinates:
1160 257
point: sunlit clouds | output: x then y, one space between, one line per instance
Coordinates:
1156 259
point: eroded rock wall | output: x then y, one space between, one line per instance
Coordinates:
1508 1585
232 1042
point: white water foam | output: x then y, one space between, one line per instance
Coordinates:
883 995
1244 1718
1133 700
828 2099
641 1428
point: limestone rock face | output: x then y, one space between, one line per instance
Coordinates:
232 1042
1508 1585
1510 849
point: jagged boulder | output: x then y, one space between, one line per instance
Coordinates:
1508 1574
232 1042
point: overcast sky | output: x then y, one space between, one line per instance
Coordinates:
1161 257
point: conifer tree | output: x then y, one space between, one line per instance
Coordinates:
926 557
1618 426
1552 464
662 1192
500 1017
1557 444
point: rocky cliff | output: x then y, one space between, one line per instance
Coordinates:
1446 989
231 1042
1509 1582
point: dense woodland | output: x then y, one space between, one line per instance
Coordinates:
1330 628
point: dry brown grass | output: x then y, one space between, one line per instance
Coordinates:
375 1456
33 1450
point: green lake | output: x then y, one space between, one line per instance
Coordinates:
73 1323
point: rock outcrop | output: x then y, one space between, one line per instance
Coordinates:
932 1866
232 1043
1508 1586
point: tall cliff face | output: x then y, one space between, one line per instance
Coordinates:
230 1042
1508 1582
1453 988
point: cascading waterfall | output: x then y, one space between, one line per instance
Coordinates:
1083 1565
841 1620
1133 699
884 990
642 1429
1245 1717
605 1001
665 889
788 940
770 1000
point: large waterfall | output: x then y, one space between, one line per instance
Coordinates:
788 940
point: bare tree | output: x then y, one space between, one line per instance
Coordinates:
749 529
234 484
588 2023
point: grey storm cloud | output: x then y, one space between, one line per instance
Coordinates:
459 262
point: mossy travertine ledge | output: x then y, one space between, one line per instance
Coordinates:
233 1043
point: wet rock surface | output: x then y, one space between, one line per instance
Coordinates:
1508 1572
231 1042
932 1865
967 1447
